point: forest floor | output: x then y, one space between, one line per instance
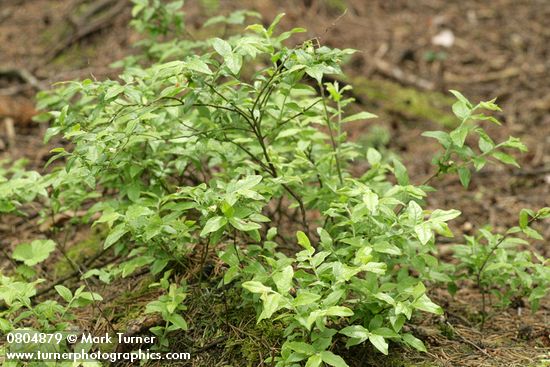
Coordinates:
402 73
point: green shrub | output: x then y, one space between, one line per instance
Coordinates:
235 148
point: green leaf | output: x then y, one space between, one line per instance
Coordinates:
400 173
6 326
483 117
338 311
304 241
485 143
64 292
301 347
114 91
386 248
479 162
35 252
257 28
256 217
543 213
423 232
283 279
271 302
271 233
285 35
178 321
379 343
515 143
505 158
325 237
460 97
316 72
461 110
256 287
373 156
242 225
314 361
530 232
464 175
425 304
523 218
108 217
385 297
234 62
385 332
199 66
305 298
490 105
439 215
115 234
415 212
274 23
248 183
414 342
375 267
356 332
458 135
212 225
344 272
222 47
442 137
371 201
359 116
332 359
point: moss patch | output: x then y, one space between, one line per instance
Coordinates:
411 103
80 250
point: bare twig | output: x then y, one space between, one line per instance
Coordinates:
10 131
74 274
394 72
24 76
87 27
487 77
212 344
468 341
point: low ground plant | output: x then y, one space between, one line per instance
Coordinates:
210 151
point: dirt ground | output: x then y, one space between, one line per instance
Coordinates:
483 49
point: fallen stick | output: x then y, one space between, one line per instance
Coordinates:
507 73
467 341
76 273
10 131
89 27
401 76
212 344
23 75
521 172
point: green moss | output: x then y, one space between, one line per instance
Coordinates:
141 289
252 348
337 5
76 253
210 6
447 331
77 55
209 315
52 35
411 103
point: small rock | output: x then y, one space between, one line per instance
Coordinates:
445 38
